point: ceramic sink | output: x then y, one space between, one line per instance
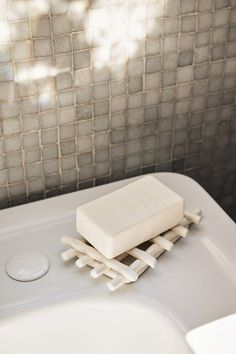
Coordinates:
67 311
91 325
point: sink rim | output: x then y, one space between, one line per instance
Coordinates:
90 298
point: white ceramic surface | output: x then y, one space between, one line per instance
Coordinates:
92 326
216 337
193 284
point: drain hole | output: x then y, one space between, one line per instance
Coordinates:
27 266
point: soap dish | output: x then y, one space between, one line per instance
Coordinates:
116 269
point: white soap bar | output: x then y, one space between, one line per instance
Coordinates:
129 216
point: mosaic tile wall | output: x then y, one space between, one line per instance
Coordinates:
97 91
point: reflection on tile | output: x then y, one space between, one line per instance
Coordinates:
92 93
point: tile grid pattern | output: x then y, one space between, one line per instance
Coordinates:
74 114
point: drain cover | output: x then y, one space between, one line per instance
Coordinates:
27 266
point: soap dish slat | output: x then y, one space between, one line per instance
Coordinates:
115 269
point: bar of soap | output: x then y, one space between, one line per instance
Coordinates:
127 217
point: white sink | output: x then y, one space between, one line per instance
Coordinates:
68 312
92 326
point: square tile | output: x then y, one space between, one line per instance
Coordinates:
204 5
184 91
22 50
5 55
50 166
15 175
152 64
152 46
81 40
219 34
67 132
61 24
30 140
84 143
64 81
221 17
152 81
102 139
6 72
33 170
185 58
202 55
67 115
19 30
204 20
188 23
215 84
101 123
49 120
151 114
85 159
200 87
42 47
168 78
101 91
50 152
188 6
49 136
85 111
11 126
14 160
118 120
118 103
135 84
203 39
58 8
170 44
232 33
231 49
135 116
84 94
12 143
170 61
35 10
10 110
82 60
62 44
171 25
218 52
47 101
40 27
66 98
222 3
16 11
67 147
32 155
118 87
118 136
171 9
64 63
85 127
168 94
184 74
186 41
67 163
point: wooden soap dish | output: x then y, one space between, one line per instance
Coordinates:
115 268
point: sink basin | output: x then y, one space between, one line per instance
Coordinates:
68 312
90 326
